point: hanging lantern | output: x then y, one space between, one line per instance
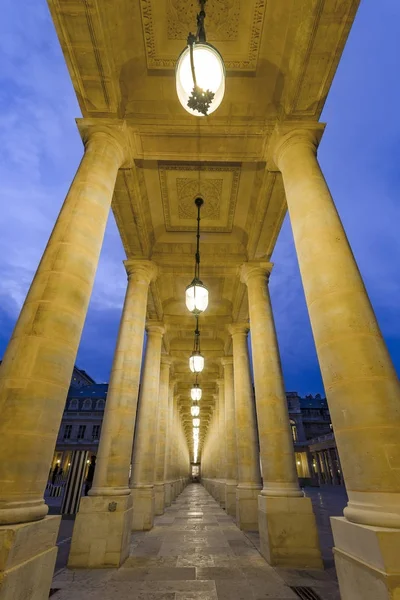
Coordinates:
196 362
196 296
196 292
195 392
200 73
195 410
196 422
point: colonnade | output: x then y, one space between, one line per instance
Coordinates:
247 457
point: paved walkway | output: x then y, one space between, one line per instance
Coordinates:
194 552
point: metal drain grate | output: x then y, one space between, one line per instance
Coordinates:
305 593
53 591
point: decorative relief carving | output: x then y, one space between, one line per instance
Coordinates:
179 191
228 29
209 189
222 19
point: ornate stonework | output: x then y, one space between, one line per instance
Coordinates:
222 19
166 24
180 184
187 189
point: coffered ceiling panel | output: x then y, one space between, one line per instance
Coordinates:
234 25
217 185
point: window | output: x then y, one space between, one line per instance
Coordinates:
294 430
87 404
95 432
100 404
73 405
67 432
81 432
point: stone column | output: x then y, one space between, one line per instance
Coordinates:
361 384
159 481
230 438
101 537
169 445
288 532
38 363
144 446
174 454
222 441
249 477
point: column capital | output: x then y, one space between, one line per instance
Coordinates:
141 269
113 131
167 360
255 269
242 327
226 361
286 135
155 328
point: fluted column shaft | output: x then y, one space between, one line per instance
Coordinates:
37 365
115 448
274 432
361 384
230 438
246 428
222 440
144 447
159 479
169 444
249 477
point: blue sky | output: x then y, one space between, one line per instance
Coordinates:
360 154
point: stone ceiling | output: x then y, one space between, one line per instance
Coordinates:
281 56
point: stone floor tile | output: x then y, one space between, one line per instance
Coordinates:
196 560
155 574
196 552
215 573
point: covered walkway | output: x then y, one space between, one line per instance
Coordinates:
194 551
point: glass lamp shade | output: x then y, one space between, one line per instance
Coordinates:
196 297
210 75
195 411
196 362
196 422
195 392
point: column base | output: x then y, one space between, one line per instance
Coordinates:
168 493
367 560
230 498
102 532
247 507
143 508
288 532
215 488
27 558
159 498
221 493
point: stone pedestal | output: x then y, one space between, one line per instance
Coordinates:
168 493
143 508
367 560
247 507
288 533
102 532
159 498
27 558
221 493
230 498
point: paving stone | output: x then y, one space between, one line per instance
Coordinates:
196 552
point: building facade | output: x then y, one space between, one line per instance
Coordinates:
81 423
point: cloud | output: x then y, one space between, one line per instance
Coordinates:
40 152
